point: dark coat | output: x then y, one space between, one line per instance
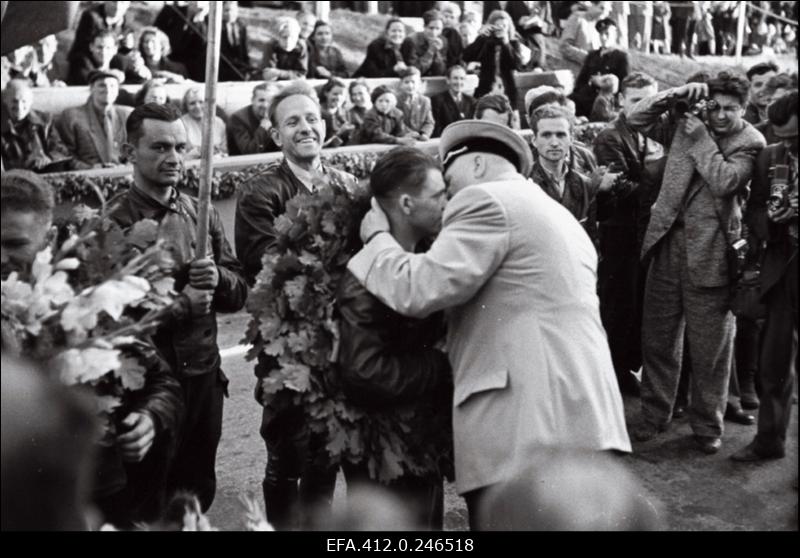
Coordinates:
381 128
388 366
92 21
330 58
446 110
579 196
187 39
483 50
84 135
189 343
291 64
421 52
262 199
234 59
614 62
380 60
246 136
37 134
780 248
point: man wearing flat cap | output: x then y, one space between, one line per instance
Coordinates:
93 133
516 271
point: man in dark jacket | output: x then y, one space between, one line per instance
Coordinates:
29 138
155 148
760 96
234 60
299 130
389 366
452 105
129 474
772 218
101 17
623 222
248 127
186 26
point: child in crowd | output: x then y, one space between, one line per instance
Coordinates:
337 128
383 123
416 107
360 103
606 104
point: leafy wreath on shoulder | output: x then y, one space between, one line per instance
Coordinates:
293 320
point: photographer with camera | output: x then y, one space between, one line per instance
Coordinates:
695 225
772 219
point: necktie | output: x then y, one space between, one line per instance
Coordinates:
109 129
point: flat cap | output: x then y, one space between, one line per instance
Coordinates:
475 136
94 75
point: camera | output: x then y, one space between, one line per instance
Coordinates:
699 109
779 189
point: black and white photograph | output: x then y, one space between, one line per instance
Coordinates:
394 275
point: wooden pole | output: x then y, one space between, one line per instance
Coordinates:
322 10
740 27
207 146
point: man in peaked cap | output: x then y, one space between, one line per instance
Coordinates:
531 363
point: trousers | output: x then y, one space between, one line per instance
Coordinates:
673 306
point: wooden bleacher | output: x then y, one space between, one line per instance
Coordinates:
231 96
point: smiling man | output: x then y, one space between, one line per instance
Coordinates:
299 130
188 341
760 94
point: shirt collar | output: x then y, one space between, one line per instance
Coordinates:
304 176
150 206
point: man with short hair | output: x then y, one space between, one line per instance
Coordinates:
552 138
452 105
146 432
517 273
777 87
249 127
29 138
772 219
759 76
95 132
103 16
495 108
693 226
292 483
155 147
401 380
286 56
623 218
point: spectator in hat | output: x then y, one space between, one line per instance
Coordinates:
95 132
607 59
498 265
384 122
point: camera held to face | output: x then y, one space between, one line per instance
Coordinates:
779 189
700 109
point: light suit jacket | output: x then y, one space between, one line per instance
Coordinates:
530 358
705 177
84 135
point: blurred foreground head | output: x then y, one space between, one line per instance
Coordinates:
565 490
47 435
367 508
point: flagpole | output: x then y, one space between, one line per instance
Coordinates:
207 147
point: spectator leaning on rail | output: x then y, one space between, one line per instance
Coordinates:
29 138
95 132
694 223
293 482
